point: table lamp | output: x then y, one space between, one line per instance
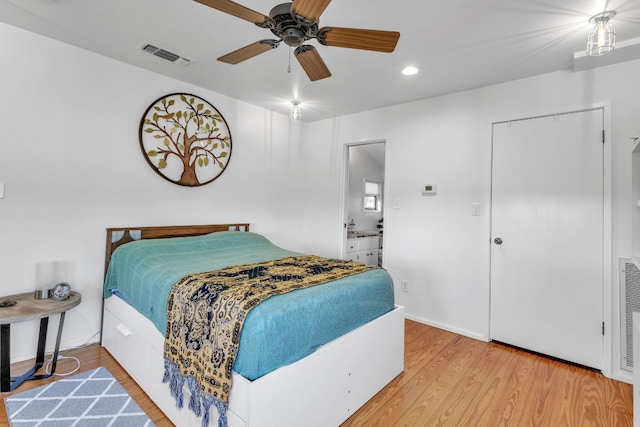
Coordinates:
46 278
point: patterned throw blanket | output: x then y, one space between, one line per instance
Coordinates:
205 314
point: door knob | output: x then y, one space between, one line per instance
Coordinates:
498 241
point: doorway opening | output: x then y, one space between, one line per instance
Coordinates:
364 200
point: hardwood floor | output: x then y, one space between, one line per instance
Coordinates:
449 380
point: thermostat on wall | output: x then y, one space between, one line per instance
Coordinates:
429 189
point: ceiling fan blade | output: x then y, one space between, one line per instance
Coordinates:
309 9
312 63
238 11
355 38
247 52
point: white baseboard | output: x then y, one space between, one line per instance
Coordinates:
476 336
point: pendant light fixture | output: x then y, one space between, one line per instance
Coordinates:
295 114
602 38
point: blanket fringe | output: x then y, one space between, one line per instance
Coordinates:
196 395
176 382
222 411
199 403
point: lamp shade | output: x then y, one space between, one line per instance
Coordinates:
295 114
46 278
602 38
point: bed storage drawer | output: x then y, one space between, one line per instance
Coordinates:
135 343
124 341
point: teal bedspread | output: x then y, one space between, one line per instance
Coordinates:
281 330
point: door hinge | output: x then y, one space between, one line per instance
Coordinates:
602 328
603 136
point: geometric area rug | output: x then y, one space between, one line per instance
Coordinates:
90 399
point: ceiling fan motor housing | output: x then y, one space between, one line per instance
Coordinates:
293 30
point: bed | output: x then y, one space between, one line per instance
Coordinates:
322 387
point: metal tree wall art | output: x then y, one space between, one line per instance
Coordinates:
185 139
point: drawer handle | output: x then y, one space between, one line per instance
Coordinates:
123 330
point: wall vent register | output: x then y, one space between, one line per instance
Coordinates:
630 290
165 54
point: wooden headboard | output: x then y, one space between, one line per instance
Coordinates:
122 235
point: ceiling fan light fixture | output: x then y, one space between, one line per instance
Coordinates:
602 38
293 37
295 114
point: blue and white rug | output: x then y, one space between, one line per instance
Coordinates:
90 399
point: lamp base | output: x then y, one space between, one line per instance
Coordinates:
41 294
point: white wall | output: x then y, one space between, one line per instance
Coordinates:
72 166
433 241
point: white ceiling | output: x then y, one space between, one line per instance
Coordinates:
457 44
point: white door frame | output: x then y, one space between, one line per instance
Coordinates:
610 312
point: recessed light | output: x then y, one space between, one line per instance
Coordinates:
410 71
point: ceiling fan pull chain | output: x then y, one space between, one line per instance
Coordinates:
289 67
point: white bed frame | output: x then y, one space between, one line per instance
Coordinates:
323 389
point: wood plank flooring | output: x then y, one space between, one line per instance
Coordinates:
449 380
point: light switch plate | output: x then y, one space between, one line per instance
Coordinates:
1 190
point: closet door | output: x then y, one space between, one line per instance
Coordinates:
547 236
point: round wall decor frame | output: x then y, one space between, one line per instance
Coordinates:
185 139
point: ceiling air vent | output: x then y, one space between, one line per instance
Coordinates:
165 54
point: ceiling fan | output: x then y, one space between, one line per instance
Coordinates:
295 23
